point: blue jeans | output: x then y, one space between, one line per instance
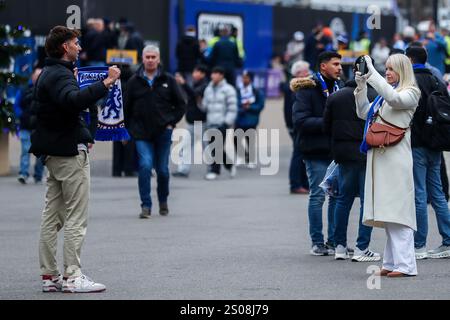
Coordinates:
154 154
352 176
297 170
316 169
427 182
25 141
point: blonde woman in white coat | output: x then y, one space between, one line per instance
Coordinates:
389 187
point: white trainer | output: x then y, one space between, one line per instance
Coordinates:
341 253
81 284
421 253
365 256
251 166
441 252
211 176
52 283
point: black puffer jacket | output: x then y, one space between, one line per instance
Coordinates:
149 110
307 117
343 125
59 101
427 83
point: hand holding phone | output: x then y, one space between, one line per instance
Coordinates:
361 65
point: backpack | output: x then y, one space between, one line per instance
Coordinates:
437 121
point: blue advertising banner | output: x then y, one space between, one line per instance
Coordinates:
254 24
111 120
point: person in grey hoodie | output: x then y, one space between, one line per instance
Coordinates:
220 104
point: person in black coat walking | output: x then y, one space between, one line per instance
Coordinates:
62 137
194 116
346 131
307 116
188 54
154 104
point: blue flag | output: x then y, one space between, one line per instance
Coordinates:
111 120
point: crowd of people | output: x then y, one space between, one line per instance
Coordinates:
327 119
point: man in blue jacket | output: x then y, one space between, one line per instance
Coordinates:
250 105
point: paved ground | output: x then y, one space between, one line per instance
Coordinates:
245 238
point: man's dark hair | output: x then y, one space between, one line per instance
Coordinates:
326 56
249 74
417 54
55 39
218 69
396 51
202 68
416 44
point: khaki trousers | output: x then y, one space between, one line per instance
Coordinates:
66 204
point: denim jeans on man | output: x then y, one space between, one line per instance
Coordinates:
316 169
352 176
25 141
154 154
427 183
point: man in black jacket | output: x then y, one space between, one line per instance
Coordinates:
154 104
194 116
346 130
188 54
427 163
62 137
307 117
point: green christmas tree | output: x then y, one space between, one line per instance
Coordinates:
8 50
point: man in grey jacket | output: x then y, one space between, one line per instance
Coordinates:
220 104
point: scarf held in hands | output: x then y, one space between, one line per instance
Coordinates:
111 120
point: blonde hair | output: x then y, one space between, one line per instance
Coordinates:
403 67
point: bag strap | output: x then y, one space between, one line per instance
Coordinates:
390 124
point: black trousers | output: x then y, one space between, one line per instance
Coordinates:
124 159
215 167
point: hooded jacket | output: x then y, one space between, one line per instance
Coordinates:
307 118
220 104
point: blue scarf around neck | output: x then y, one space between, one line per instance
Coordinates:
325 90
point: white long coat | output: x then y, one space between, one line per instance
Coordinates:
389 187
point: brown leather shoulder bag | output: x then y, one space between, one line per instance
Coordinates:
381 135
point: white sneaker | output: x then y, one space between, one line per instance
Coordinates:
211 176
341 253
251 166
233 172
440 252
365 256
81 284
52 283
421 253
